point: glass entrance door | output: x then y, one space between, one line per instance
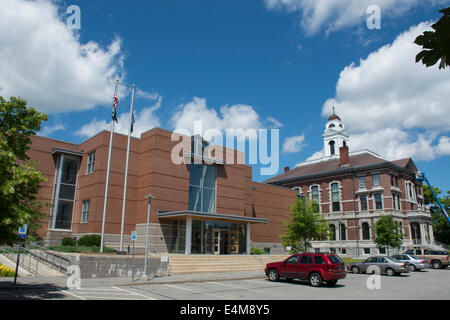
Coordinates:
217 241
233 242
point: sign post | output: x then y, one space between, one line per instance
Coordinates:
22 234
133 239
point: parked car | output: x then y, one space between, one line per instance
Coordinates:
386 266
412 262
437 259
317 268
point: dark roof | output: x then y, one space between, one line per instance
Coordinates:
334 117
332 166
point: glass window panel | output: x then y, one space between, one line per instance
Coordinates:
362 182
363 202
69 171
376 179
64 215
195 201
66 192
209 196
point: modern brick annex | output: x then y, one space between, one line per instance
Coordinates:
354 189
196 208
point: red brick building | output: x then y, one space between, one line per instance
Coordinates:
354 189
196 208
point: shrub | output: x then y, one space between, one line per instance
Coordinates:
90 240
67 242
254 250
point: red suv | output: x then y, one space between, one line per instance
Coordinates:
314 267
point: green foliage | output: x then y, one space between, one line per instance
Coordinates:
436 44
441 226
257 251
19 179
90 240
306 224
387 233
82 249
67 241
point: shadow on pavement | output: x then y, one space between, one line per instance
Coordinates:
39 291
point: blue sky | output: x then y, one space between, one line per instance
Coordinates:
276 63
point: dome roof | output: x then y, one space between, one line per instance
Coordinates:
334 117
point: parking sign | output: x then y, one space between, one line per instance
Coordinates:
133 235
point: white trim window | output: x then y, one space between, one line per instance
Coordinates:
362 182
335 197
85 208
378 201
364 202
315 194
376 180
90 163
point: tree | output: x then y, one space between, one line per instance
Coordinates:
306 223
436 44
19 179
441 226
388 233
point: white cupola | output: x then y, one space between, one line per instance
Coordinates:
335 136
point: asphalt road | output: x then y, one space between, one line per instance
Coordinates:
425 285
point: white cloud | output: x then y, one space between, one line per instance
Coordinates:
394 106
47 131
293 144
44 62
333 15
145 120
238 116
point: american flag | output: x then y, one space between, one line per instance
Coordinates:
116 103
132 121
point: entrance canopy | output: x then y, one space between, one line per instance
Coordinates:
210 216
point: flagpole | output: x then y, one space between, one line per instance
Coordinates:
107 177
126 171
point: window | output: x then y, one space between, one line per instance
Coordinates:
334 259
331 125
335 197
366 250
376 180
382 250
343 231
332 149
315 194
363 199
362 182
396 182
392 180
306 259
365 231
319 260
378 200
371 260
202 188
90 163
382 260
85 207
343 251
398 203
292 260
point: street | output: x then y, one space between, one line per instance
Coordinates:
425 285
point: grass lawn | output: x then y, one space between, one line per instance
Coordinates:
350 260
81 249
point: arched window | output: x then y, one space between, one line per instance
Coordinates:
365 231
331 125
343 231
335 197
344 144
332 151
332 232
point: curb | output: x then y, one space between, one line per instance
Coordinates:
189 281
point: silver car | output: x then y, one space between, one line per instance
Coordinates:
384 265
412 262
